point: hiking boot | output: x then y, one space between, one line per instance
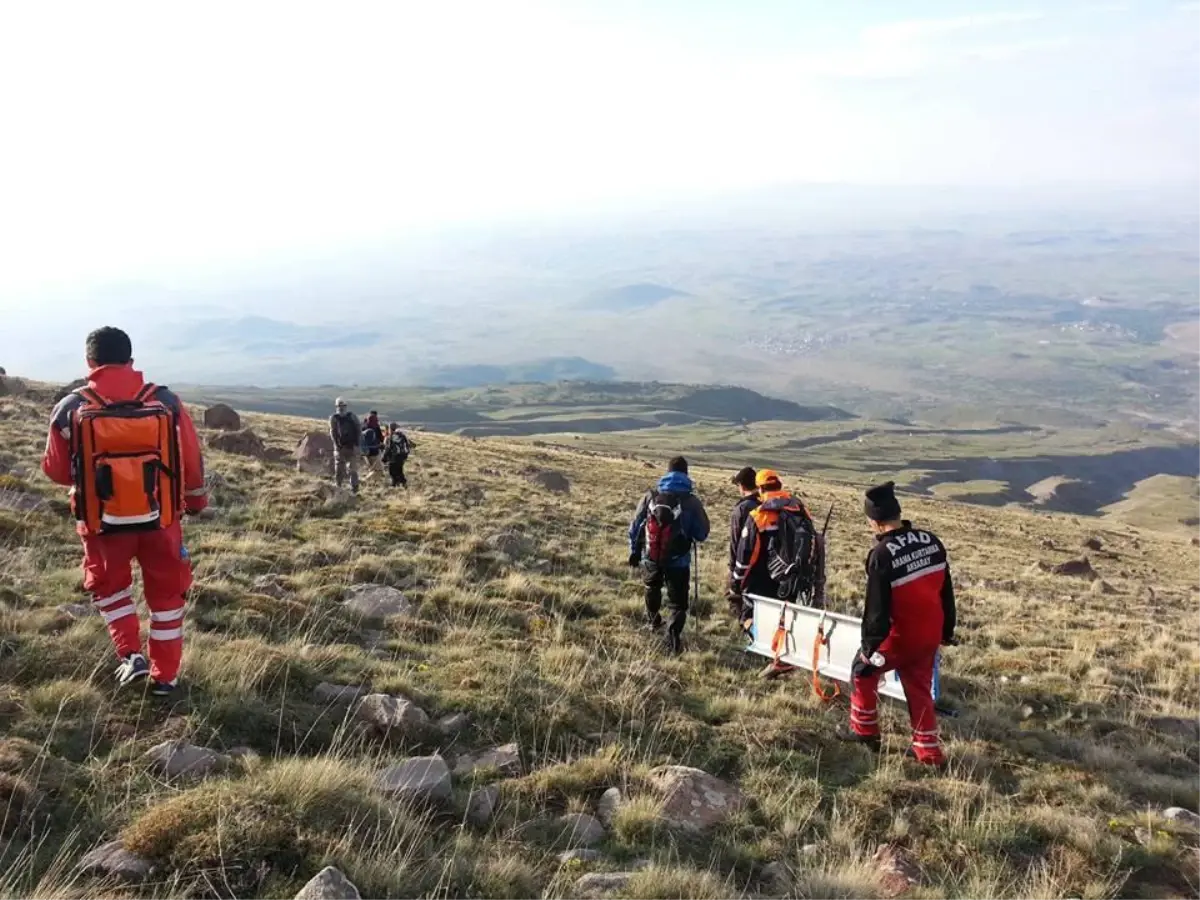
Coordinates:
163 688
655 624
872 742
132 668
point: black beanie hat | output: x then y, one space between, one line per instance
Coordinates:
881 504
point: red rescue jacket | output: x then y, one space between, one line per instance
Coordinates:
910 599
118 383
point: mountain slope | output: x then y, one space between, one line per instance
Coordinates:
1078 706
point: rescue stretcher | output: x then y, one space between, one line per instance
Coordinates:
816 639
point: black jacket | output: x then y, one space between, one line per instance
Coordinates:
737 521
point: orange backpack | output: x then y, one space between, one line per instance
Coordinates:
126 461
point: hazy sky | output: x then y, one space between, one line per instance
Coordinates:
167 133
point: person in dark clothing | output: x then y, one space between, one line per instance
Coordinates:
395 455
372 443
749 502
346 433
668 522
779 528
910 612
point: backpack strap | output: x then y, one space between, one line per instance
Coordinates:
91 397
147 392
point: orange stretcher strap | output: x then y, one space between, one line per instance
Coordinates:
821 694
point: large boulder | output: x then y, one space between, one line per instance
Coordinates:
609 805
223 417
693 799
242 443
338 694
896 870
481 805
112 860
329 884
314 453
580 830
505 759
423 779
597 885
555 482
386 713
1076 568
176 759
1181 816
511 543
376 601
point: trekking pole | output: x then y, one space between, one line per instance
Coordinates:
696 579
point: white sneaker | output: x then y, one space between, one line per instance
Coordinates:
132 668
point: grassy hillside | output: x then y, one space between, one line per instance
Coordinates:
1078 700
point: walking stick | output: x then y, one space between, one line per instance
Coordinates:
696 580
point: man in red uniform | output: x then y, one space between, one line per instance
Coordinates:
117 393
909 613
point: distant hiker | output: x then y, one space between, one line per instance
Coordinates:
395 454
372 443
744 480
669 520
129 452
909 613
346 434
779 552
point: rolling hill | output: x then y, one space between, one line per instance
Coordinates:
517 656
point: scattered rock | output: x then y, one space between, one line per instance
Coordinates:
506 759
1076 568
551 480
1093 543
77 610
112 860
1048 544
490 473
610 803
778 877
1100 586
481 805
314 453
694 799
1195 541
1176 726
421 778
242 443
269 586
376 601
471 495
223 417
176 759
897 871
597 885
511 543
581 830
68 388
580 855
453 724
329 884
810 850
340 694
387 713
1181 816
20 501
1026 712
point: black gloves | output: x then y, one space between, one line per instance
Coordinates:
635 559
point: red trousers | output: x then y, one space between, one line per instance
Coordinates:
916 675
166 576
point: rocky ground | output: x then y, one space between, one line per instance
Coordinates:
446 693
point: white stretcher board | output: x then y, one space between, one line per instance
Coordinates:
843 632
